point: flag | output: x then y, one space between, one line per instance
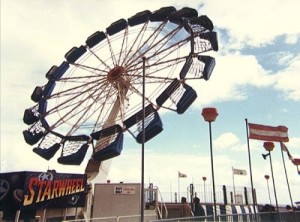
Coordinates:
181 175
268 133
239 172
296 162
285 149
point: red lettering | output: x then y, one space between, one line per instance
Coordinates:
28 199
47 191
40 184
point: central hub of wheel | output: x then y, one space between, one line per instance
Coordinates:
115 74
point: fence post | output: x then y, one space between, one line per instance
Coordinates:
246 195
231 197
255 200
192 194
224 195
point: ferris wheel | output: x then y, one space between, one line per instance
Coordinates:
95 94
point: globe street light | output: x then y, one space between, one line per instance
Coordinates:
210 114
267 177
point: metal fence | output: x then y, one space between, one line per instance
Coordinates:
261 217
237 195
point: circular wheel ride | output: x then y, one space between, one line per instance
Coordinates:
95 95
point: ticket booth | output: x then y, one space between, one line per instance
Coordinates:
123 200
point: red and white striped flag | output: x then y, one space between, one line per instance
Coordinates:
268 133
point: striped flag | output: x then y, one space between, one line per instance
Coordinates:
239 172
182 175
285 149
268 133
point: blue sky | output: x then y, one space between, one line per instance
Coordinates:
256 77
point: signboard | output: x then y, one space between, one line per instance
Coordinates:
53 190
31 191
124 190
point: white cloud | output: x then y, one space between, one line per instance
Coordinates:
292 39
288 80
284 58
232 74
254 23
226 141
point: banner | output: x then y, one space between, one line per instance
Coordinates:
54 190
239 172
268 133
31 191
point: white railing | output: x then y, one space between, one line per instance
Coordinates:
137 218
162 206
130 218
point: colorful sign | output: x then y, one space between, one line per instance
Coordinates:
31 191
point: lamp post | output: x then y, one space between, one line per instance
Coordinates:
210 114
267 177
204 179
143 145
269 146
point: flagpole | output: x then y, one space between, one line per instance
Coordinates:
249 157
171 189
233 185
274 188
178 187
286 176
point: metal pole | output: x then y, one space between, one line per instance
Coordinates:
287 180
234 194
178 181
171 190
274 184
204 193
212 171
249 159
143 144
269 191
